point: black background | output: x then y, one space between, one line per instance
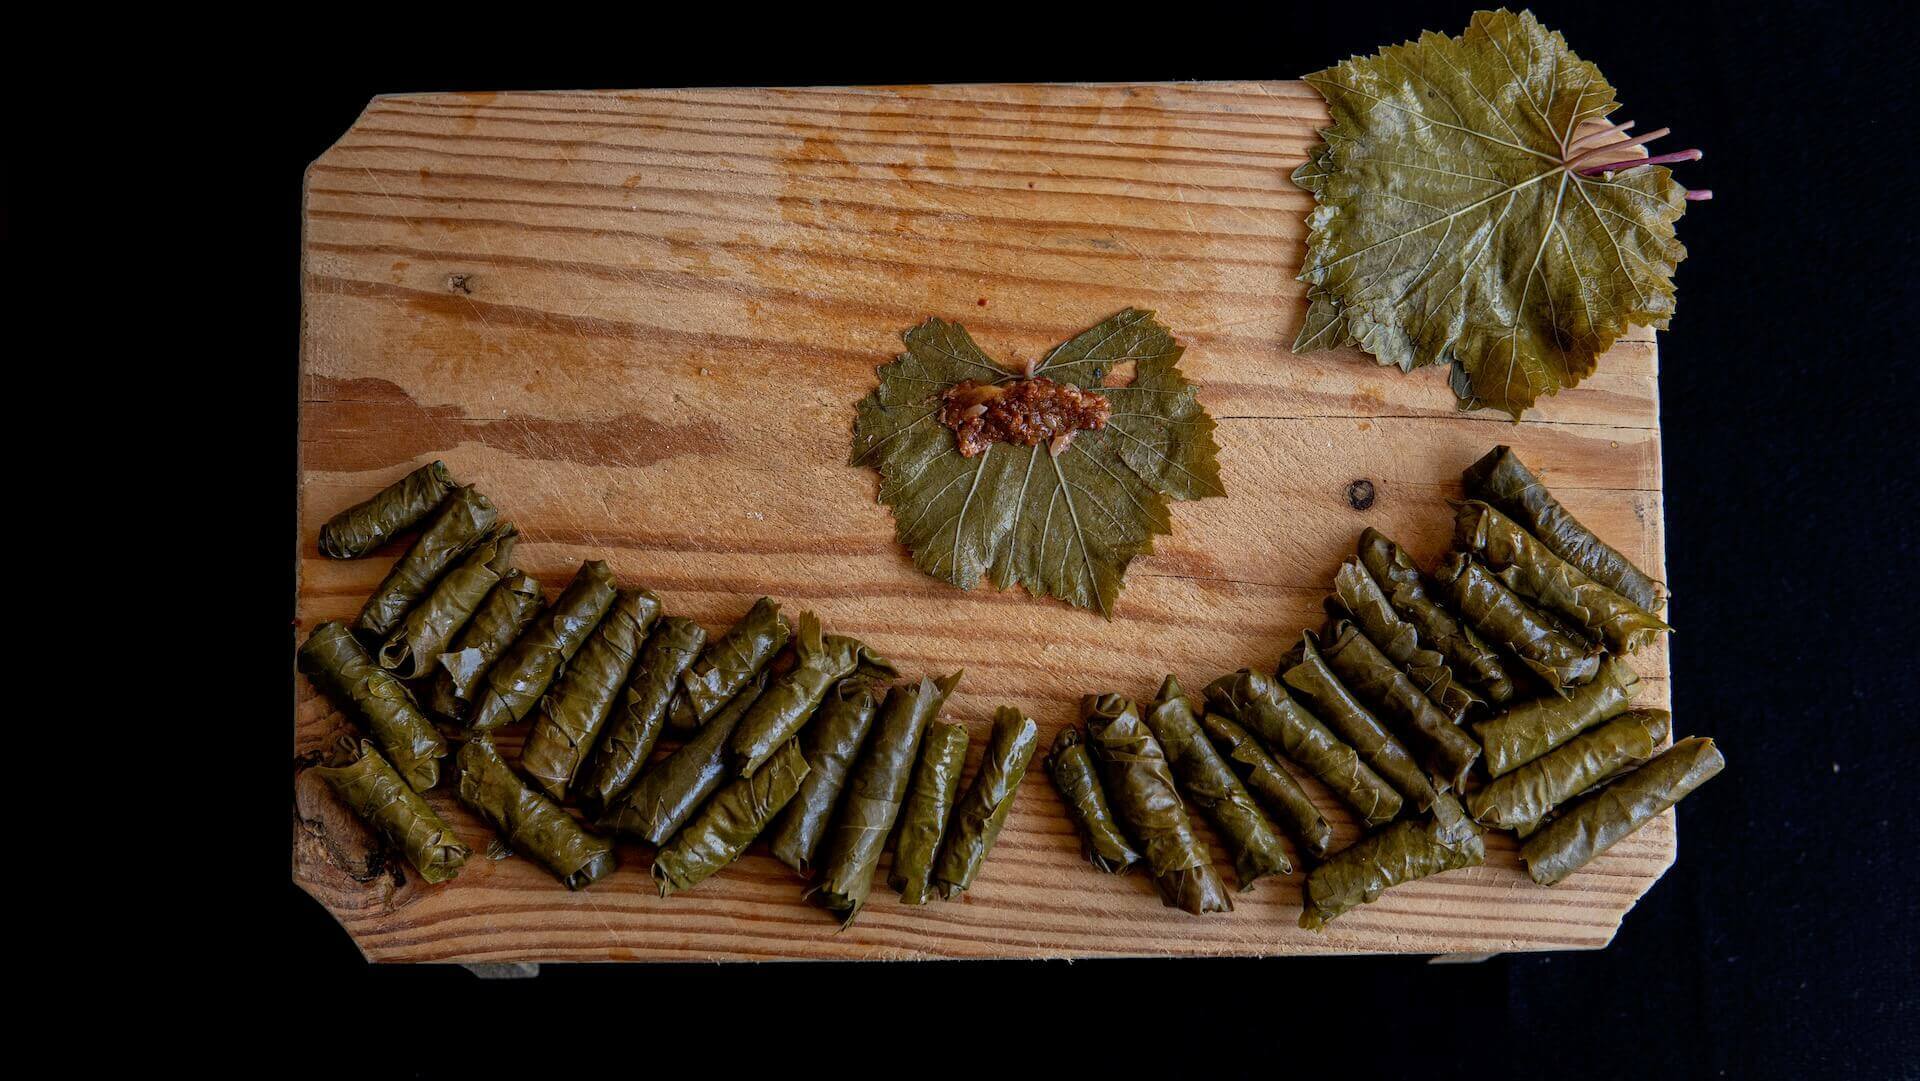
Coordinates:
1780 944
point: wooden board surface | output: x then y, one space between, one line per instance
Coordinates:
639 322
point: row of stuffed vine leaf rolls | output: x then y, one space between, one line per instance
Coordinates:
501 619
864 819
1501 479
1358 597
925 813
1500 615
1263 707
783 709
1138 780
630 733
374 791
342 669
462 521
575 708
514 684
429 628
1102 841
666 795
728 823
1307 675
1446 750
528 822
391 511
728 665
1204 778
1601 819
982 811
831 742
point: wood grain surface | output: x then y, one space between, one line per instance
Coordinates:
639 322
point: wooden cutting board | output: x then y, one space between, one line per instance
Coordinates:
639 322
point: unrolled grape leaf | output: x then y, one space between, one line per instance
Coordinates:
1453 222
1063 525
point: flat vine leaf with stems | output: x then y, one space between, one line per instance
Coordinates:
1064 516
1471 210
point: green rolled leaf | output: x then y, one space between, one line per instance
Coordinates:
1531 729
821 660
391 511
1520 800
1406 851
1264 707
462 522
1136 776
982 812
1557 587
1271 784
730 821
416 644
923 818
341 668
1503 480
578 704
528 822
728 664
1102 841
1205 778
515 682
383 800
831 743
1602 819
640 715
501 619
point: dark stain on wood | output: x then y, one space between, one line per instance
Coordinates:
1360 494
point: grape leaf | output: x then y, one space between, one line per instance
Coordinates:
1063 525
1455 221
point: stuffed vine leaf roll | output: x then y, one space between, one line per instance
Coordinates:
1500 478
1263 707
1286 802
1307 675
923 818
383 800
515 682
340 667
581 699
391 511
1405 851
501 618
528 822
1470 657
1204 777
1445 749
1499 614
1102 841
1358 596
461 522
1521 799
831 742
853 844
783 709
1601 819
640 714
980 814
730 821
413 647
728 664
1136 776
666 796
1559 588
1531 729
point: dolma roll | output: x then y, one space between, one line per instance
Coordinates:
666 796
1520 799
822 660
1263 707
1600 820
384 801
1204 778
461 522
1406 851
629 735
831 742
1286 802
341 668
1307 675
1559 588
728 664
528 822
501 618
1531 729
573 711
853 844
1500 478
1499 614
413 647
1445 749
1357 596
980 814
730 821
923 817
1136 776
391 511
1102 841
1470 657
515 682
